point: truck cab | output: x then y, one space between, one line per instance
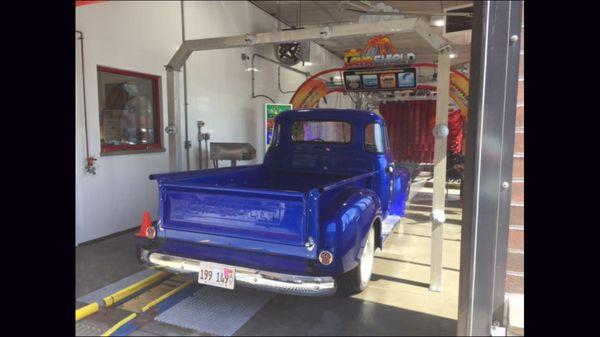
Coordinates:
306 221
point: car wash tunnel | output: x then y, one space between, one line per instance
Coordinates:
297 168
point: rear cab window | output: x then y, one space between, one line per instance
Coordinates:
322 131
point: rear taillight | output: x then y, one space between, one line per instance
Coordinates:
150 232
326 258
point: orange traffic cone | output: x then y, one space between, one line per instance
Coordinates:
146 222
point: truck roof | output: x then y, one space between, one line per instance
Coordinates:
350 115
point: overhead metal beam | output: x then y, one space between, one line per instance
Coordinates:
435 40
410 25
181 55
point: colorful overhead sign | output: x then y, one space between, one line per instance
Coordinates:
379 52
380 79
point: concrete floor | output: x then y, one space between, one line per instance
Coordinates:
103 262
396 302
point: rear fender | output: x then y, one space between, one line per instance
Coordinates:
344 234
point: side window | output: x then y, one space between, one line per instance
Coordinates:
322 131
374 138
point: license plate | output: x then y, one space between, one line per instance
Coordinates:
216 275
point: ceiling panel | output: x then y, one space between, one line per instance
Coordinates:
311 13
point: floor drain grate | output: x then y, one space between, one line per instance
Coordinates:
87 329
216 311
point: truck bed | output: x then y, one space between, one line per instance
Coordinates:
253 208
261 177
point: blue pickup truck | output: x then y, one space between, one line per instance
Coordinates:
306 222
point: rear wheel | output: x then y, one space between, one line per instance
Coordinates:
357 279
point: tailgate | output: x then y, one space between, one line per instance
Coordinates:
244 213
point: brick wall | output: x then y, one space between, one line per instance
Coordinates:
515 274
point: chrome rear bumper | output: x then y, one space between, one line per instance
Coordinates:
252 278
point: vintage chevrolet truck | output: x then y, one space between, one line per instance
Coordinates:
305 222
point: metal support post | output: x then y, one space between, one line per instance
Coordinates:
439 171
171 129
488 165
187 143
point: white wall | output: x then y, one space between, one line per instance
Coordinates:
219 90
138 36
142 36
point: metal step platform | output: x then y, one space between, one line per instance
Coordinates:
388 225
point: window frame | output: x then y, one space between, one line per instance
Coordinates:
386 139
276 136
321 120
384 142
158 145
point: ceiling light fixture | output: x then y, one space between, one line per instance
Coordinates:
452 55
437 21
